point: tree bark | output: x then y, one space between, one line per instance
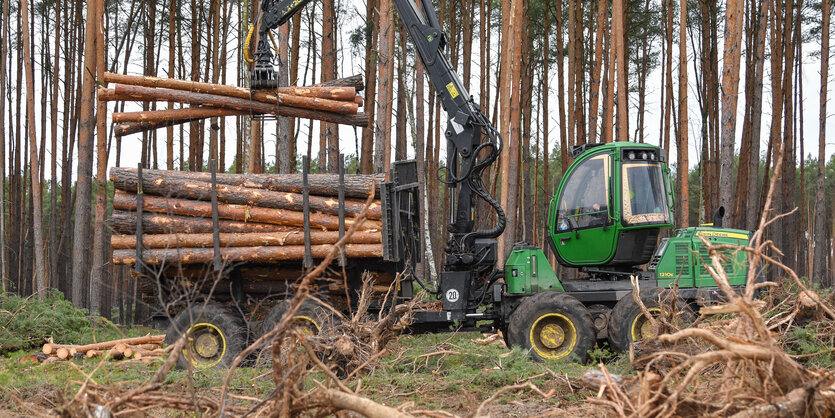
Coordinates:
385 53
98 291
338 93
730 88
124 222
203 99
356 185
242 254
162 185
81 235
125 201
683 166
34 177
188 113
819 271
594 92
270 239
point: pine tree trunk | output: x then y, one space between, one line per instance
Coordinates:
81 234
683 163
98 290
371 57
34 177
730 87
819 271
382 129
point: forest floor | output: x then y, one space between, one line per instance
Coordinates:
452 372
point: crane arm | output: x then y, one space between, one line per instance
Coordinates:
473 144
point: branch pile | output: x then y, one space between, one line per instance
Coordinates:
146 348
735 364
260 216
335 102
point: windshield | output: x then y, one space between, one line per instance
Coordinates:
584 200
644 197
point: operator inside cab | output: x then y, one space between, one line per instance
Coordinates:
585 203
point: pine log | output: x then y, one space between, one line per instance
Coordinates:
63 353
173 114
164 185
241 254
337 92
122 242
345 105
112 352
129 128
241 213
49 348
355 81
248 105
359 101
356 185
104 94
124 222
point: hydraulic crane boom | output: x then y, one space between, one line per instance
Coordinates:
470 254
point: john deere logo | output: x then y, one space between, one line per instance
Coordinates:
452 295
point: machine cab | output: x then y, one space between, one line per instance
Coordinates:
610 206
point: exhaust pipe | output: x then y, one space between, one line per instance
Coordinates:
717 217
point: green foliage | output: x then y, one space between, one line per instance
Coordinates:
814 343
26 323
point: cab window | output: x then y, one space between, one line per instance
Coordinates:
644 196
584 202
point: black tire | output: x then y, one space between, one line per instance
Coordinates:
217 336
310 315
552 325
628 324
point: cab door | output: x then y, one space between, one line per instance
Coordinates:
582 223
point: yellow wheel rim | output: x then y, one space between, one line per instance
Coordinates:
309 325
553 336
206 345
642 327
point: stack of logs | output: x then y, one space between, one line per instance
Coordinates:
147 348
260 216
335 101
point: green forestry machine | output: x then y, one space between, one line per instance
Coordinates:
605 220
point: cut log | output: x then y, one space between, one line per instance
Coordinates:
355 81
345 91
105 345
130 128
124 222
356 185
226 102
242 213
122 242
63 353
104 94
164 185
173 114
240 254
112 353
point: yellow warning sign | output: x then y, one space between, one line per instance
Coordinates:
453 92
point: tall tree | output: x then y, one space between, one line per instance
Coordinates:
87 122
329 141
34 177
4 266
371 25
730 87
602 9
99 292
819 271
623 93
683 163
385 56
